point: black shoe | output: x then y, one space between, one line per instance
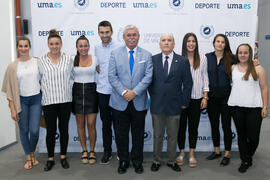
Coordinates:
138 169
250 161
174 166
64 163
213 156
225 161
123 166
106 158
244 166
49 165
155 167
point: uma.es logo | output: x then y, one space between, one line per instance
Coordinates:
145 5
49 5
82 32
81 4
239 6
176 4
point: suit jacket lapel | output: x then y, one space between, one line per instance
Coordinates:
160 66
173 65
136 60
125 60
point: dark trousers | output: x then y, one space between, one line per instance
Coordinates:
51 113
106 118
191 116
217 107
248 125
124 121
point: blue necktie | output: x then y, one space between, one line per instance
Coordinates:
131 61
165 67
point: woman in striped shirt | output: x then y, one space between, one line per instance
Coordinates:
199 97
56 69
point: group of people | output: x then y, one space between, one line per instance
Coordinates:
117 81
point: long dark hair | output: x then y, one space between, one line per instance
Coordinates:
228 56
251 69
196 56
77 57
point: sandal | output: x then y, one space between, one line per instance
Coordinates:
34 160
192 162
84 157
92 158
28 164
180 160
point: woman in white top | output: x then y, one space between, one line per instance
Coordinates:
199 96
21 85
56 69
248 102
85 99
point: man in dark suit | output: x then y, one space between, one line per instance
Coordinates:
170 92
130 73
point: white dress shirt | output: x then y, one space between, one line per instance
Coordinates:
169 60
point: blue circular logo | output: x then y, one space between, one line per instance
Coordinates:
233 135
120 35
57 136
81 4
147 136
176 4
207 31
204 116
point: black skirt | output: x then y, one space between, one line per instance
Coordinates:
84 98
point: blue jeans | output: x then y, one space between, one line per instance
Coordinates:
29 122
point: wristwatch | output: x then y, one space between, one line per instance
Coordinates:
124 92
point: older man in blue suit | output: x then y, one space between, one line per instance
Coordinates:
130 73
170 92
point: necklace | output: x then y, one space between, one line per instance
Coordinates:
25 63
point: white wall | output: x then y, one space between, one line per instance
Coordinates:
26 14
264 29
7 54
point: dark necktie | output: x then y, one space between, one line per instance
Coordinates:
165 67
131 61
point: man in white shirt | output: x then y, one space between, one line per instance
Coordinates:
102 52
170 92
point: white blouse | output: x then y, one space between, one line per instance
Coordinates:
28 77
244 93
86 74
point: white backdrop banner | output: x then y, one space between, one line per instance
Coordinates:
72 18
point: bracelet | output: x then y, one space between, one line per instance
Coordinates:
205 98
